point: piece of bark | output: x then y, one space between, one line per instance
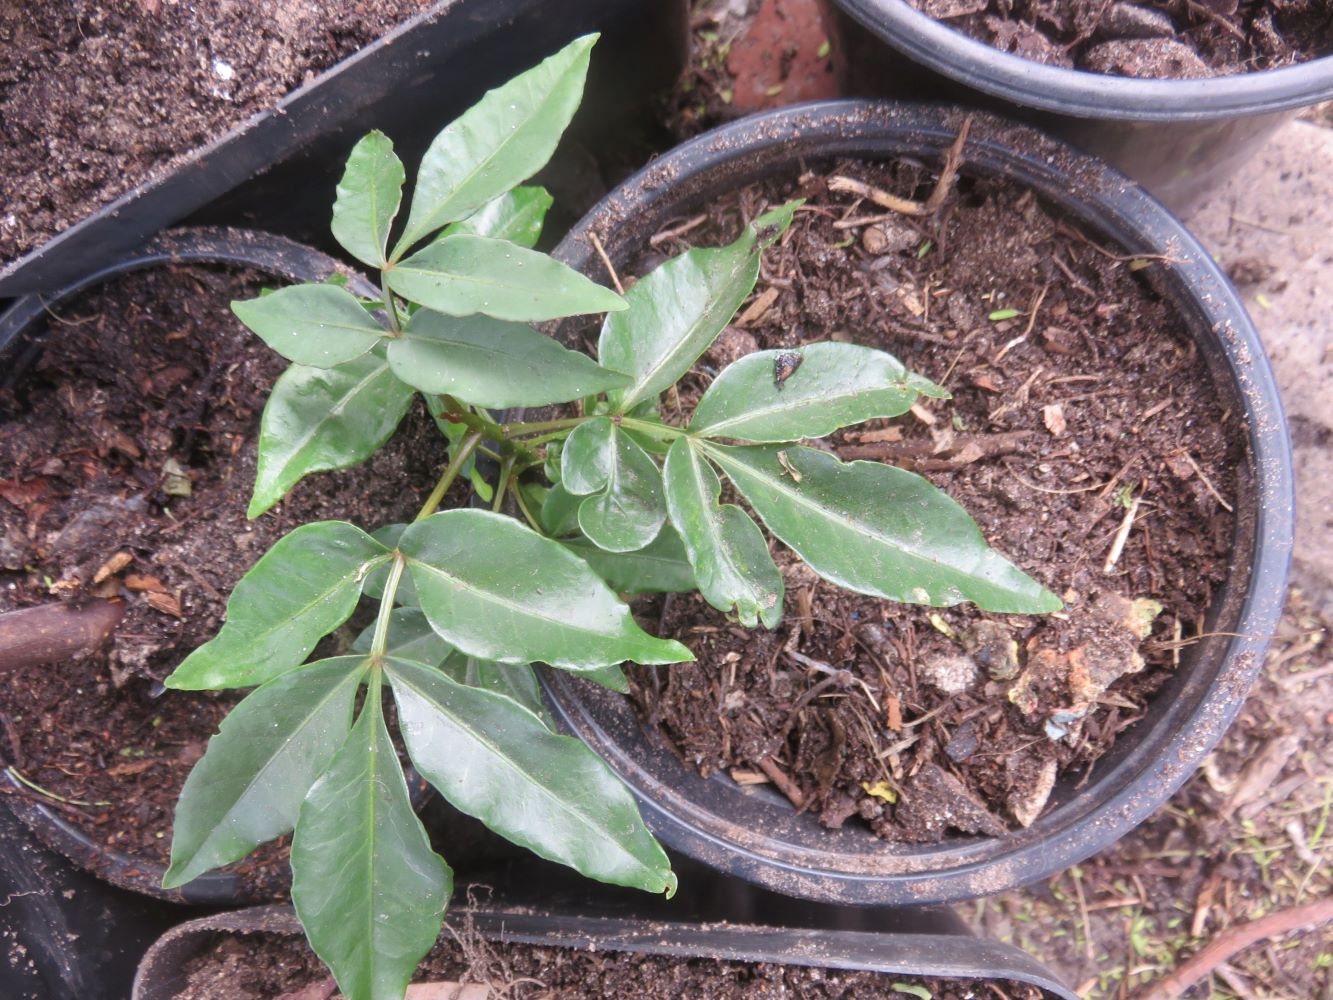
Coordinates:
52 632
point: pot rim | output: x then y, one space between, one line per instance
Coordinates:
733 829
1081 93
946 956
20 344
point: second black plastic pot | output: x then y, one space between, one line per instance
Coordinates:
753 832
1179 138
956 956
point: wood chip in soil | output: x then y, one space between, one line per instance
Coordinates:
147 374
955 720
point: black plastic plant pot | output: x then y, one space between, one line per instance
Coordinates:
279 168
753 832
955 956
1179 138
23 328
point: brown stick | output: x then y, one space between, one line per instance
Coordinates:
52 632
785 785
1224 946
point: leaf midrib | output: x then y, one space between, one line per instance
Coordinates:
337 409
719 427
712 511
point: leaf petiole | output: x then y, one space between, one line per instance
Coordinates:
662 432
390 306
379 641
465 449
506 477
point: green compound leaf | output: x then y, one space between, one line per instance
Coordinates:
496 761
555 611
493 363
661 567
462 275
515 681
516 216
319 419
499 142
678 309
726 549
298 592
317 325
368 197
373 587
248 787
410 636
762 398
626 509
878 530
366 885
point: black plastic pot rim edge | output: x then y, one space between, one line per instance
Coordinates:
1082 94
1116 198
943 956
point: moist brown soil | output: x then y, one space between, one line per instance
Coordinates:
1091 398
236 967
145 371
1158 39
97 96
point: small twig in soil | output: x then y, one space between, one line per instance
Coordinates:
1235 940
1212 15
681 230
1207 482
784 784
50 633
953 159
47 793
1046 489
1121 536
610 268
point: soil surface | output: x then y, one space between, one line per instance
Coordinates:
125 472
97 96
1158 39
239 968
1077 397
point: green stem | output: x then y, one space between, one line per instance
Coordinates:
379 641
465 449
544 438
523 506
653 429
389 306
532 427
502 485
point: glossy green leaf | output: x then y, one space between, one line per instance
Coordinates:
316 325
516 216
366 885
677 310
626 508
410 636
248 787
493 363
373 586
516 681
318 419
761 398
495 760
499 591
300 590
559 515
587 456
368 197
662 567
462 275
878 530
502 140
727 550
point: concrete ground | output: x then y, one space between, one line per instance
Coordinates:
1271 227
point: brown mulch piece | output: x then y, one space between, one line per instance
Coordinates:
148 374
1158 39
938 730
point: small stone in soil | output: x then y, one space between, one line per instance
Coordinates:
934 801
952 673
1127 20
1149 58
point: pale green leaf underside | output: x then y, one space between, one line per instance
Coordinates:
248 787
834 385
367 199
320 419
877 529
461 275
555 610
493 363
366 885
495 760
499 142
316 325
661 567
726 549
516 216
303 588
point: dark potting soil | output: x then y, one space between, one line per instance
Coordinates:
1077 396
148 389
97 96
237 967
1158 39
